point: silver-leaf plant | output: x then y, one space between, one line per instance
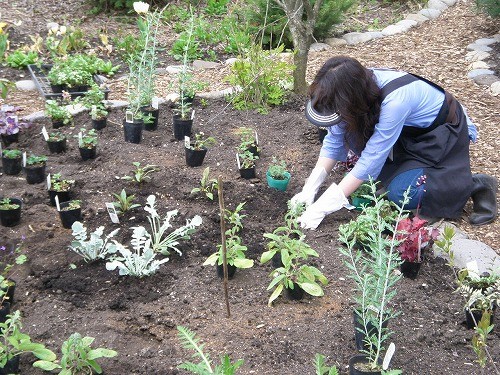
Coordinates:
92 248
160 241
141 261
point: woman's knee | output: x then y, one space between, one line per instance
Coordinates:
412 181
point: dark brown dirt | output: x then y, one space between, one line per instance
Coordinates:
138 317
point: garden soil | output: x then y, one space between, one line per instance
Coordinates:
58 293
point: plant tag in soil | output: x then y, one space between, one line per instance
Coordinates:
48 181
388 356
112 213
24 159
256 138
155 102
45 134
80 139
1 148
192 115
129 116
187 141
57 203
238 160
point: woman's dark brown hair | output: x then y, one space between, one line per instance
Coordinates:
345 86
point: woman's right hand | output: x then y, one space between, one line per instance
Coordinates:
311 187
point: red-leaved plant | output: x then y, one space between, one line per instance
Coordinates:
413 236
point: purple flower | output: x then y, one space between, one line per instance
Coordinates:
2 248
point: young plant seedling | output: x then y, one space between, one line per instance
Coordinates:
141 174
124 203
207 185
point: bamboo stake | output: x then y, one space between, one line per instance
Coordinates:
223 239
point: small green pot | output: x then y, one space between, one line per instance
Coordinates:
360 202
278 184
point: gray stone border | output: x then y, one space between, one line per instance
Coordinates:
479 69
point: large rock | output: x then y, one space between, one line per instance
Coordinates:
486 41
317 47
465 251
419 18
479 72
356 38
479 65
26 85
486 79
334 42
495 88
437 4
478 47
430 13
202 64
476 55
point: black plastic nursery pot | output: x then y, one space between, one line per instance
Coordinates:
181 127
8 139
254 150
410 269
247 173
57 89
133 131
57 124
35 174
360 335
10 218
230 271
56 147
63 196
11 367
9 291
99 124
358 365
194 158
13 166
153 123
4 311
276 260
471 315
295 294
280 185
88 153
68 217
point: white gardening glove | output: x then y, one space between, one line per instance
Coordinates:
311 187
333 199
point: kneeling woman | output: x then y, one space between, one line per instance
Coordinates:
407 132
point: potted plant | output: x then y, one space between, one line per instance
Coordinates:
69 212
10 211
141 79
10 124
59 187
375 281
197 149
413 237
277 175
13 343
87 143
246 164
481 293
56 142
35 169
94 101
249 141
360 197
12 162
11 256
58 113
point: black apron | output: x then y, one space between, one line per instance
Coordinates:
442 150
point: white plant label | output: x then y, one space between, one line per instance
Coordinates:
24 159
1 148
112 213
388 356
58 206
80 139
187 141
155 102
238 160
45 134
256 138
129 116
192 115
48 181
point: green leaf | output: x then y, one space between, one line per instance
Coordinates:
101 352
267 256
46 365
44 354
275 294
211 260
312 289
243 263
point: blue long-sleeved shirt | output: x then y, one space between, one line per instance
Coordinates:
416 104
